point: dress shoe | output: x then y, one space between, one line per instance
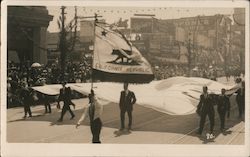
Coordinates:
72 117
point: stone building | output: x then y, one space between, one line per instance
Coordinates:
26 33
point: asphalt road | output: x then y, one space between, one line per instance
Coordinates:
149 127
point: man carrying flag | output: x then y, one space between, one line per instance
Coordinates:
94 112
117 60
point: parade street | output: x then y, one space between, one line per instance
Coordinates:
149 127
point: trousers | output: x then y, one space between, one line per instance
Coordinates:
122 114
66 108
47 107
27 110
241 107
222 115
203 120
96 127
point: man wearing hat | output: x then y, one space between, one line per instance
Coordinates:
65 96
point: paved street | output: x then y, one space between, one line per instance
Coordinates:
149 127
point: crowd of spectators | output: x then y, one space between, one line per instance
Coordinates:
48 74
209 72
171 70
20 75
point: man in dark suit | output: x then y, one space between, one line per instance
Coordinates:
27 99
240 98
65 96
204 108
223 108
127 99
46 101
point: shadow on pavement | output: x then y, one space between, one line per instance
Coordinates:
118 133
144 119
53 117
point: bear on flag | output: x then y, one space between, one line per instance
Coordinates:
117 60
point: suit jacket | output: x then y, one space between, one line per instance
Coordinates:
126 102
206 104
27 96
65 96
240 98
223 103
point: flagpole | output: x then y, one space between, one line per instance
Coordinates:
92 63
95 20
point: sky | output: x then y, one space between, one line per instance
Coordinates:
113 14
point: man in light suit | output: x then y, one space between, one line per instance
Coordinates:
94 112
127 100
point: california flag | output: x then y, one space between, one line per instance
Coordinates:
117 60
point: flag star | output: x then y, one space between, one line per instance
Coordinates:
104 33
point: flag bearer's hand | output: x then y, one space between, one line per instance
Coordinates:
77 125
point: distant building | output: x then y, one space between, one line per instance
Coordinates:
83 46
238 36
87 31
53 47
80 50
168 38
26 33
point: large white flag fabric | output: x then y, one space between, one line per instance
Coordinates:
174 96
117 60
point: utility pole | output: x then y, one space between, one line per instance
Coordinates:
216 32
189 57
230 41
62 44
194 39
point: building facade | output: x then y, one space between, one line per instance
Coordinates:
26 33
170 38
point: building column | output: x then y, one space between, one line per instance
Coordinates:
39 45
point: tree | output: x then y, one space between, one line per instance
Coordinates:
67 38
